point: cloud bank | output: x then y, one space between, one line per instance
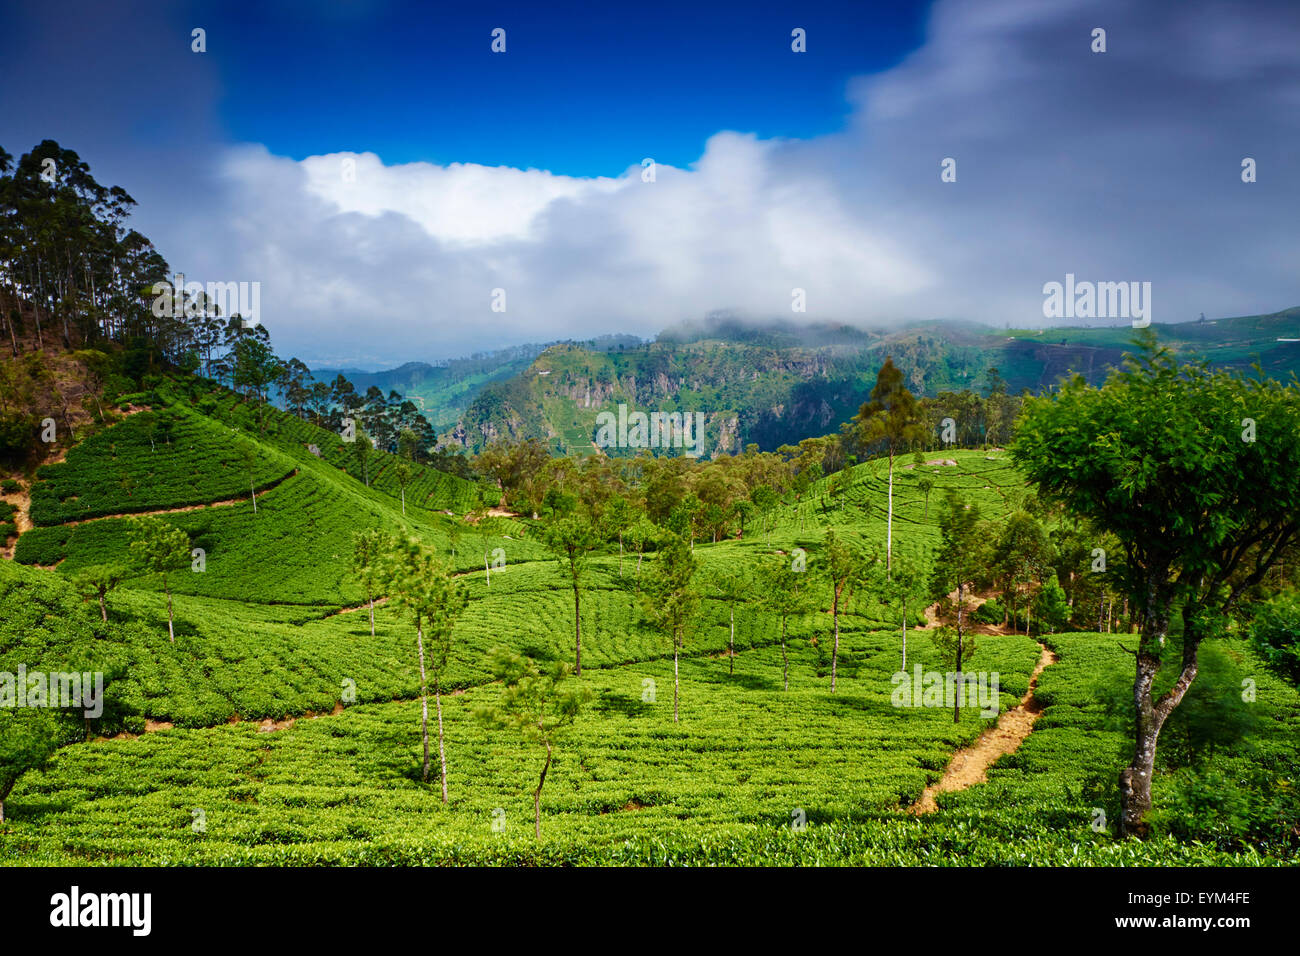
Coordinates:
1118 166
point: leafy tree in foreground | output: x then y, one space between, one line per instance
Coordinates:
1197 474
670 599
570 538
958 560
369 549
536 706
422 587
163 550
96 581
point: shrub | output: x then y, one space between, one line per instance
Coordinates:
1241 804
1051 612
18 433
991 612
1275 632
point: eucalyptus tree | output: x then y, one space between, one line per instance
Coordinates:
422 586
163 550
403 472
784 592
671 600
733 586
959 559
904 592
97 581
844 569
369 553
570 539
535 704
893 417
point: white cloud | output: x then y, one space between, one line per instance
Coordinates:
1121 166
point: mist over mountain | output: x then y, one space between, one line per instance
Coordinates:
773 382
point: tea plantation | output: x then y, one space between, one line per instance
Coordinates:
276 729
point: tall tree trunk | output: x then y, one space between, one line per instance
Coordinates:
13 335
835 652
103 610
889 520
1150 715
371 599
253 493
956 703
171 631
424 700
577 631
904 667
537 794
442 747
959 688
732 642
785 658
676 678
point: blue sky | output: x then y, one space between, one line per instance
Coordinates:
580 91
383 175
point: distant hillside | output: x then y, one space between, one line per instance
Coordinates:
443 392
777 383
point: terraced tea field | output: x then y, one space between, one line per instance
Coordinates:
277 729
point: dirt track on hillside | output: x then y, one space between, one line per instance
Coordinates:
970 765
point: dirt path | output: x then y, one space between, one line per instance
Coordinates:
266 725
379 602
972 626
970 765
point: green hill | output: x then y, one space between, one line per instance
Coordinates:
778 384
247 715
